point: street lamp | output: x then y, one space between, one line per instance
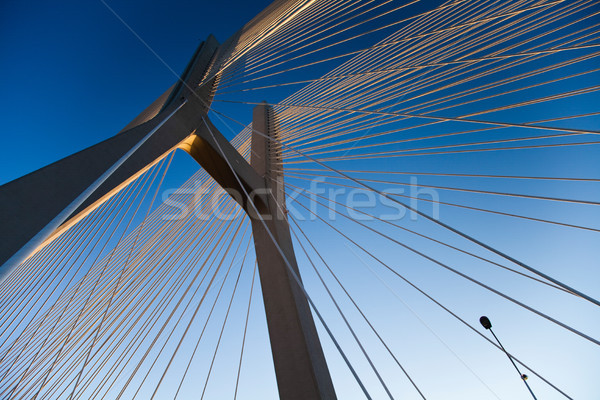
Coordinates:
485 322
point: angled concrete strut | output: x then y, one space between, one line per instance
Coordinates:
37 208
34 207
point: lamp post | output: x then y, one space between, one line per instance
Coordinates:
485 322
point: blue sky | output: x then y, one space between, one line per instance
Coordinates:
73 75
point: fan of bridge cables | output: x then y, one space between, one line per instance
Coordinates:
440 162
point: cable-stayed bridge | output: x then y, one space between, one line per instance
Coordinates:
368 178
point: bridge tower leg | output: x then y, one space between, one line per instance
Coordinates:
300 365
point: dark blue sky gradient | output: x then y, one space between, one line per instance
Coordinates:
73 75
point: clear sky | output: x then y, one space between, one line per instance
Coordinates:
71 75
74 63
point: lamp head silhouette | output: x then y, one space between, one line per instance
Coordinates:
485 322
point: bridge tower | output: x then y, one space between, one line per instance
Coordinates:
37 208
